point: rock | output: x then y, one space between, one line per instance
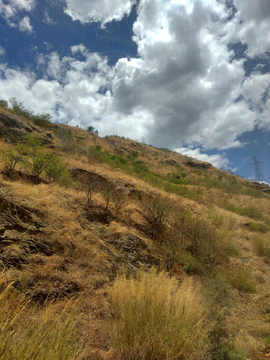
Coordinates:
14 130
198 165
264 354
171 162
134 249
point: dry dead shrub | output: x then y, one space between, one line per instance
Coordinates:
156 212
119 201
90 188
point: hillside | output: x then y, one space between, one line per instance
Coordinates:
113 249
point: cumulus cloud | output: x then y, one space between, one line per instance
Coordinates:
98 10
253 22
11 9
25 26
48 20
2 51
185 89
186 76
217 160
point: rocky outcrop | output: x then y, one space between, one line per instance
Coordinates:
134 250
14 130
198 165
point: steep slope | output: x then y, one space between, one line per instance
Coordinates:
125 206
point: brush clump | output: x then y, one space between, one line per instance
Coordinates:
156 318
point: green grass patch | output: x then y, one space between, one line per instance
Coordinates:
251 211
258 227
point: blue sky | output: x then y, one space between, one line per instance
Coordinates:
189 75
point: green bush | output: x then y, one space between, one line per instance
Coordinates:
32 155
4 104
57 170
11 158
132 155
19 109
258 227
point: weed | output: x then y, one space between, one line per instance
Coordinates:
241 278
258 227
154 318
262 244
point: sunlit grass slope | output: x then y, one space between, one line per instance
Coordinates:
170 252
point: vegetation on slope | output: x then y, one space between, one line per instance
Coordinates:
118 246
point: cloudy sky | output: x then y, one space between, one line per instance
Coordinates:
189 75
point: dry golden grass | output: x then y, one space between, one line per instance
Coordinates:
85 256
29 333
262 244
155 318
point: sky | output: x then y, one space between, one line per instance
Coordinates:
189 75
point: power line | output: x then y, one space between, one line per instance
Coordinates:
258 171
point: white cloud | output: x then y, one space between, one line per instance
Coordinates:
25 26
98 10
217 160
48 20
11 9
253 23
185 87
2 51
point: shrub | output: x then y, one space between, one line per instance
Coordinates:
12 157
57 170
89 187
132 155
156 212
44 120
262 244
19 109
107 195
241 278
119 201
91 129
33 155
154 318
259 227
4 104
202 241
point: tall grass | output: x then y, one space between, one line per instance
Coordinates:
29 333
156 319
262 244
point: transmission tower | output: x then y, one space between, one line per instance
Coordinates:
258 171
